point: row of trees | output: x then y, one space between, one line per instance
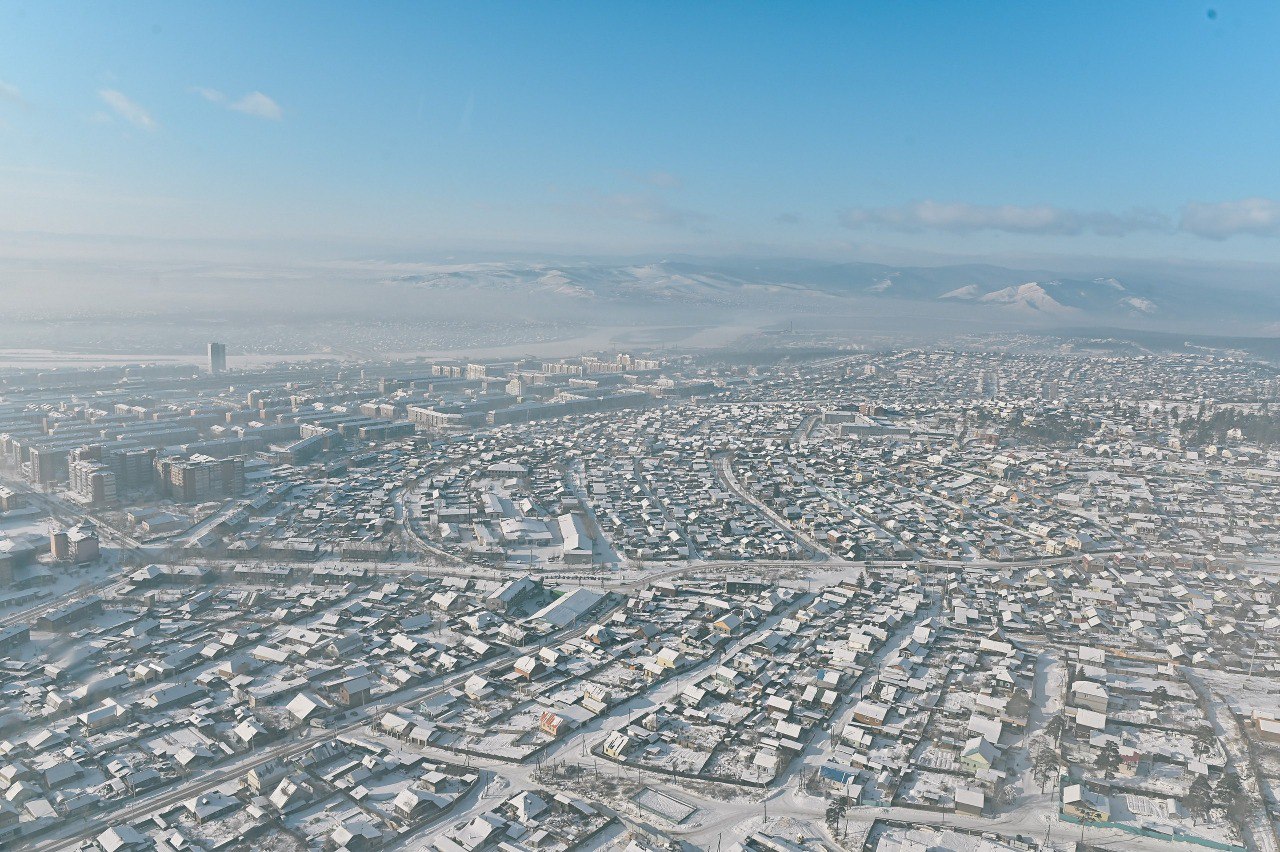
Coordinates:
1197 427
1260 428
1203 798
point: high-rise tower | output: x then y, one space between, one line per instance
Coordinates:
217 357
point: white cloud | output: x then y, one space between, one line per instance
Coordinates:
254 103
962 218
10 93
213 96
127 109
1222 219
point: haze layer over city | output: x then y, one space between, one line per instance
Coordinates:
532 427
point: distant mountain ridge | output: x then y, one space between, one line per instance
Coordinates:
1036 295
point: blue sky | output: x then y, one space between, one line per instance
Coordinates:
951 128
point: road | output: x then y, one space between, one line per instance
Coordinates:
402 499
817 750
193 534
1259 829
61 508
724 467
29 616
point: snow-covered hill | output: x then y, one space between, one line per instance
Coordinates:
1014 294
